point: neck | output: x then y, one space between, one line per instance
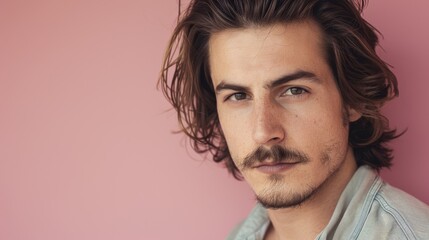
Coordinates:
308 219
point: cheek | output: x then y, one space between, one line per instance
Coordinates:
227 123
235 128
320 125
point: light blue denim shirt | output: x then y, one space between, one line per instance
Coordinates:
368 209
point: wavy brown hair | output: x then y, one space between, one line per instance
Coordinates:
364 80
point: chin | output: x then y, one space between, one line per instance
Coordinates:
284 198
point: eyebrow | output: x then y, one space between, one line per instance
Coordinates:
305 75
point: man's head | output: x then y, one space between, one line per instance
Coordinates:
292 81
280 110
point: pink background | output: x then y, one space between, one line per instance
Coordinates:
86 150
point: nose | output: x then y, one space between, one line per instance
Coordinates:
267 124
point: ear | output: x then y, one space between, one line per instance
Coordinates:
353 114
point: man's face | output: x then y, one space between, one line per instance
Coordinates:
281 111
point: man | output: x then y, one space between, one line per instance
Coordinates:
287 94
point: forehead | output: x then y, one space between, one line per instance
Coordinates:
266 52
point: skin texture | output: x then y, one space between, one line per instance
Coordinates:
274 91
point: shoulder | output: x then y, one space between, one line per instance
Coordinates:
254 226
395 213
233 234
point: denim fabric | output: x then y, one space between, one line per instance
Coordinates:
368 209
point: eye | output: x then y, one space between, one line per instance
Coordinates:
239 96
293 91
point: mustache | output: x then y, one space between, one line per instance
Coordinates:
277 153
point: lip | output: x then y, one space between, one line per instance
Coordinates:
271 168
